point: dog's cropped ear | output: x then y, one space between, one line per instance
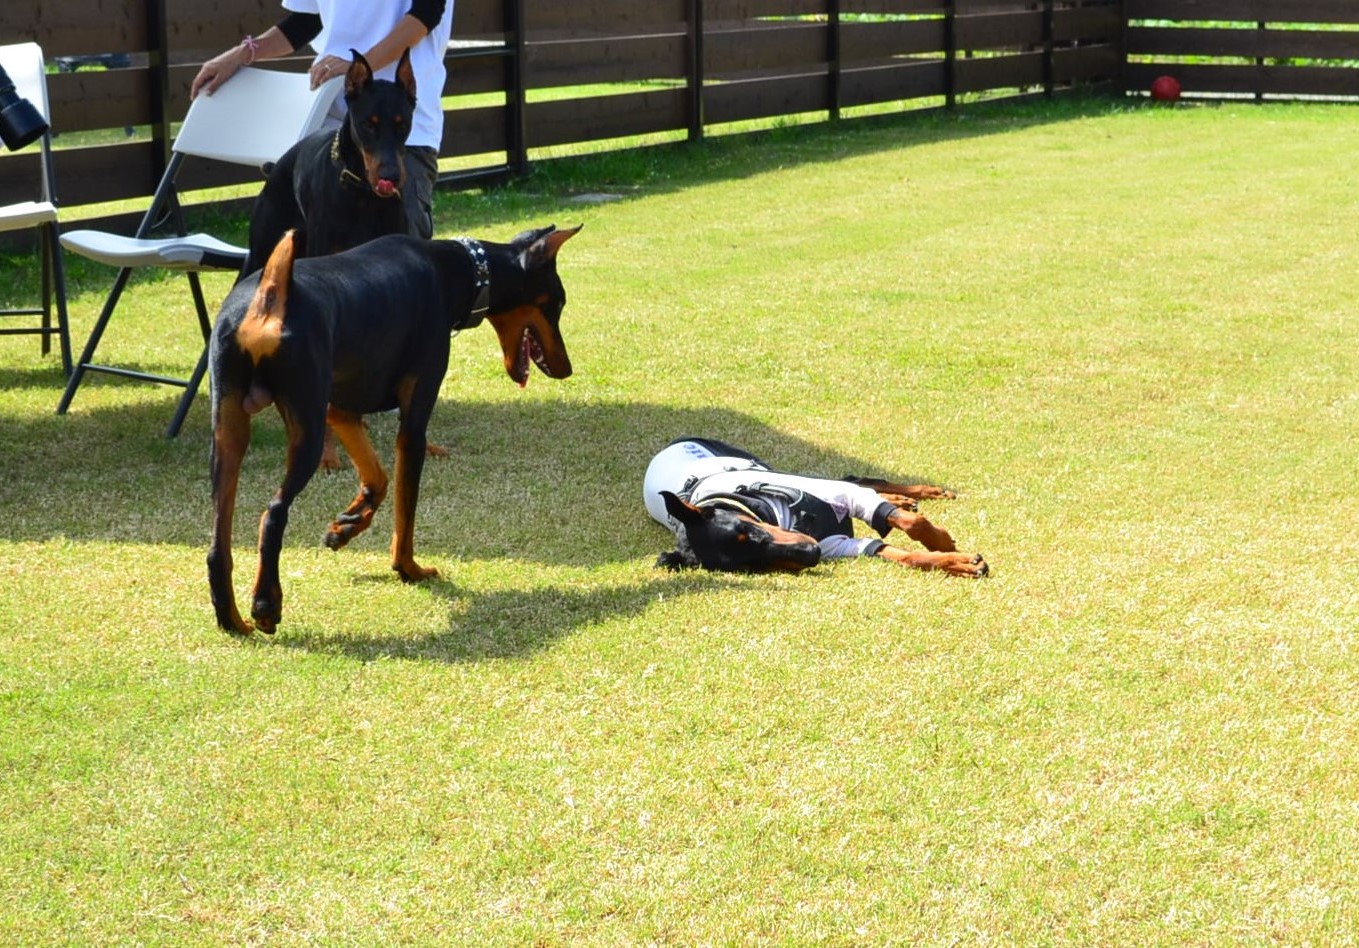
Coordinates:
543 247
685 513
358 77
405 75
527 238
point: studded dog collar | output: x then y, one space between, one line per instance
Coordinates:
482 301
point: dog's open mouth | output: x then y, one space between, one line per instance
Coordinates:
526 340
530 352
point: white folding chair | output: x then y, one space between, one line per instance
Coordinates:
23 63
250 120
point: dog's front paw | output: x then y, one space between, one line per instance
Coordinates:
234 623
267 614
902 502
413 572
672 561
960 564
930 492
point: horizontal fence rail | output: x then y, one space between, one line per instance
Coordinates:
1262 49
525 75
530 75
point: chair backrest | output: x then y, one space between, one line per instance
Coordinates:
24 65
255 116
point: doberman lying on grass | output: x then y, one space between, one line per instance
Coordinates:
329 339
730 512
344 187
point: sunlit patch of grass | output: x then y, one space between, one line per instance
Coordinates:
1125 335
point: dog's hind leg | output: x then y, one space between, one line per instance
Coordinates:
903 495
358 516
304 453
330 455
230 440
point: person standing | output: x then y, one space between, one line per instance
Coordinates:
381 30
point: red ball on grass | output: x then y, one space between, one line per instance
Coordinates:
1165 89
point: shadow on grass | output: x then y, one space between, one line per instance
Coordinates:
551 482
556 483
505 624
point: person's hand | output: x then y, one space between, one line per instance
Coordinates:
217 71
327 68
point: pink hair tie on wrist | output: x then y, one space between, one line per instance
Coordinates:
251 44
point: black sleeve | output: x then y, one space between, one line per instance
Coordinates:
428 12
300 28
880 515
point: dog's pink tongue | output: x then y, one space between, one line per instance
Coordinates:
385 188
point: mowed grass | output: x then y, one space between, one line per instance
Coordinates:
1126 336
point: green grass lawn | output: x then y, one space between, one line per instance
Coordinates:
1125 335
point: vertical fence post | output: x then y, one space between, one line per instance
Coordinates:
158 48
1260 26
1124 25
950 53
833 56
694 15
516 108
1048 81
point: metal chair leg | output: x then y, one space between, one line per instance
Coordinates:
59 281
190 390
78 370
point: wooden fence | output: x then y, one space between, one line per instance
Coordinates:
532 74
1254 48
529 74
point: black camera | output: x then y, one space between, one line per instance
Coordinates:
20 122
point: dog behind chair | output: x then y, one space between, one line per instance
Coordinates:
343 187
329 339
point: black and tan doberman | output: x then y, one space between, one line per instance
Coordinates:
344 187
329 339
731 512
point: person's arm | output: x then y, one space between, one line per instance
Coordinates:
292 31
839 546
423 17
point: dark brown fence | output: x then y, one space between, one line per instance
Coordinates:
529 74
1253 48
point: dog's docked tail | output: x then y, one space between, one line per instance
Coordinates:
261 329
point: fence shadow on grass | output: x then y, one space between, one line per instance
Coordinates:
546 481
